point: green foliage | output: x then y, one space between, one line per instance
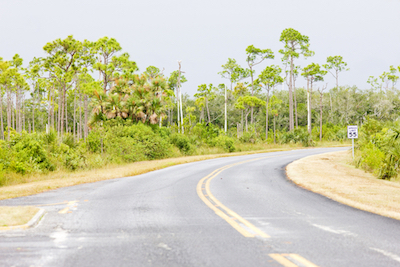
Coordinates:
223 141
330 132
28 154
205 132
299 135
68 139
248 137
379 148
182 142
94 141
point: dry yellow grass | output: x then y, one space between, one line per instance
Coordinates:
12 216
331 175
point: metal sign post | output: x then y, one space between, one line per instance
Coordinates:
352 133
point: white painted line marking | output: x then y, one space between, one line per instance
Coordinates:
388 254
338 232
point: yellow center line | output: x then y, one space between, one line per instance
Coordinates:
52 204
59 203
224 212
283 259
302 260
63 211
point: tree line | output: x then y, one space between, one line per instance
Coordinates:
78 85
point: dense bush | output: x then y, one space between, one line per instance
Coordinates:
378 148
330 132
299 135
129 143
248 137
182 142
205 132
121 141
28 154
223 141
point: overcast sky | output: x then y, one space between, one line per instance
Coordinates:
204 34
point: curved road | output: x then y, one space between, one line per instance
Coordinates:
236 211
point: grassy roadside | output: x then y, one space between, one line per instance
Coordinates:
12 216
45 182
331 175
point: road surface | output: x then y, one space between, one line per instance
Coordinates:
236 211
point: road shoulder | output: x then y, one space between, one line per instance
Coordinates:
331 175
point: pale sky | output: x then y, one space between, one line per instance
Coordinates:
204 34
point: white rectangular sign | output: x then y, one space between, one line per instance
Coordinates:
352 131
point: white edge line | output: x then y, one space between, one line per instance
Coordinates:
388 254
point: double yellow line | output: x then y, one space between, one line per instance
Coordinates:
288 260
243 226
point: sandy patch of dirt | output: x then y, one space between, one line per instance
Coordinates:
12 216
331 175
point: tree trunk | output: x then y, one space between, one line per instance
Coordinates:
337 79
13 115
247 116
181 104
86 117
1 116
66 111
80 115
74 127
242 122
49 110
320 116
266 117
295 103
274 128
23 112
8 113
33 108
252 94
226 118
53 118
291 123
331 113
60 99
308 107
17 111
208 111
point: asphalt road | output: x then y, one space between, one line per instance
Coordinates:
237 211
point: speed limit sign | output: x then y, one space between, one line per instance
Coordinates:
352 131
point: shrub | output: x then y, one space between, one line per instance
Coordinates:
372 158
182 142
124 148
68 139
3 179
94 141
299 135
155 146
29 149
248 137
205 131
225 142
